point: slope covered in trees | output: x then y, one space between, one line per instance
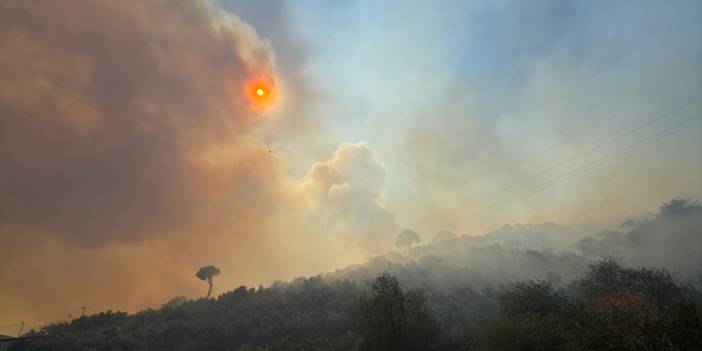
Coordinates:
520 288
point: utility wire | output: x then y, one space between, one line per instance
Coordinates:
615 140
621 152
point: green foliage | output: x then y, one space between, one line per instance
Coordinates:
620 309
684 326
449 302
522 333
610 308
606 277
394 320
536 297
294 314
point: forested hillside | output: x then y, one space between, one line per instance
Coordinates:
519 288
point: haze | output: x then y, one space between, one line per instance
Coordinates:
133 153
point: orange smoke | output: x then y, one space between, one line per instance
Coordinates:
262 93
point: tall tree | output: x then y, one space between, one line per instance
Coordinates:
207 273
394 320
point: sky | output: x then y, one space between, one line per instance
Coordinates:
132 151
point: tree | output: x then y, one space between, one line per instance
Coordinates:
679 207
407 238
421 326
521 332
174 303
394 320
207 273
537 297
607 277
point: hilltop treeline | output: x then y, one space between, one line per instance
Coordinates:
610 308
520 288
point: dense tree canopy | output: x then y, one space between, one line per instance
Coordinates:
642 308
497 292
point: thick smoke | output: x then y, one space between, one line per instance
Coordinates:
125 153
130 155
347 193
115 115
669 239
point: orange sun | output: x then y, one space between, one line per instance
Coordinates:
261 93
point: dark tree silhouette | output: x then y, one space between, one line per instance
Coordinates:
394 320
207 273
537 297
604 306
607 277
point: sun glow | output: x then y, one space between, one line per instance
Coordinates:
262 94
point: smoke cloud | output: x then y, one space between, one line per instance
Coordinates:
124 150
347 191
115 117
130 156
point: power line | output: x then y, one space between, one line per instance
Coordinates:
611 156
588 166
578 156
